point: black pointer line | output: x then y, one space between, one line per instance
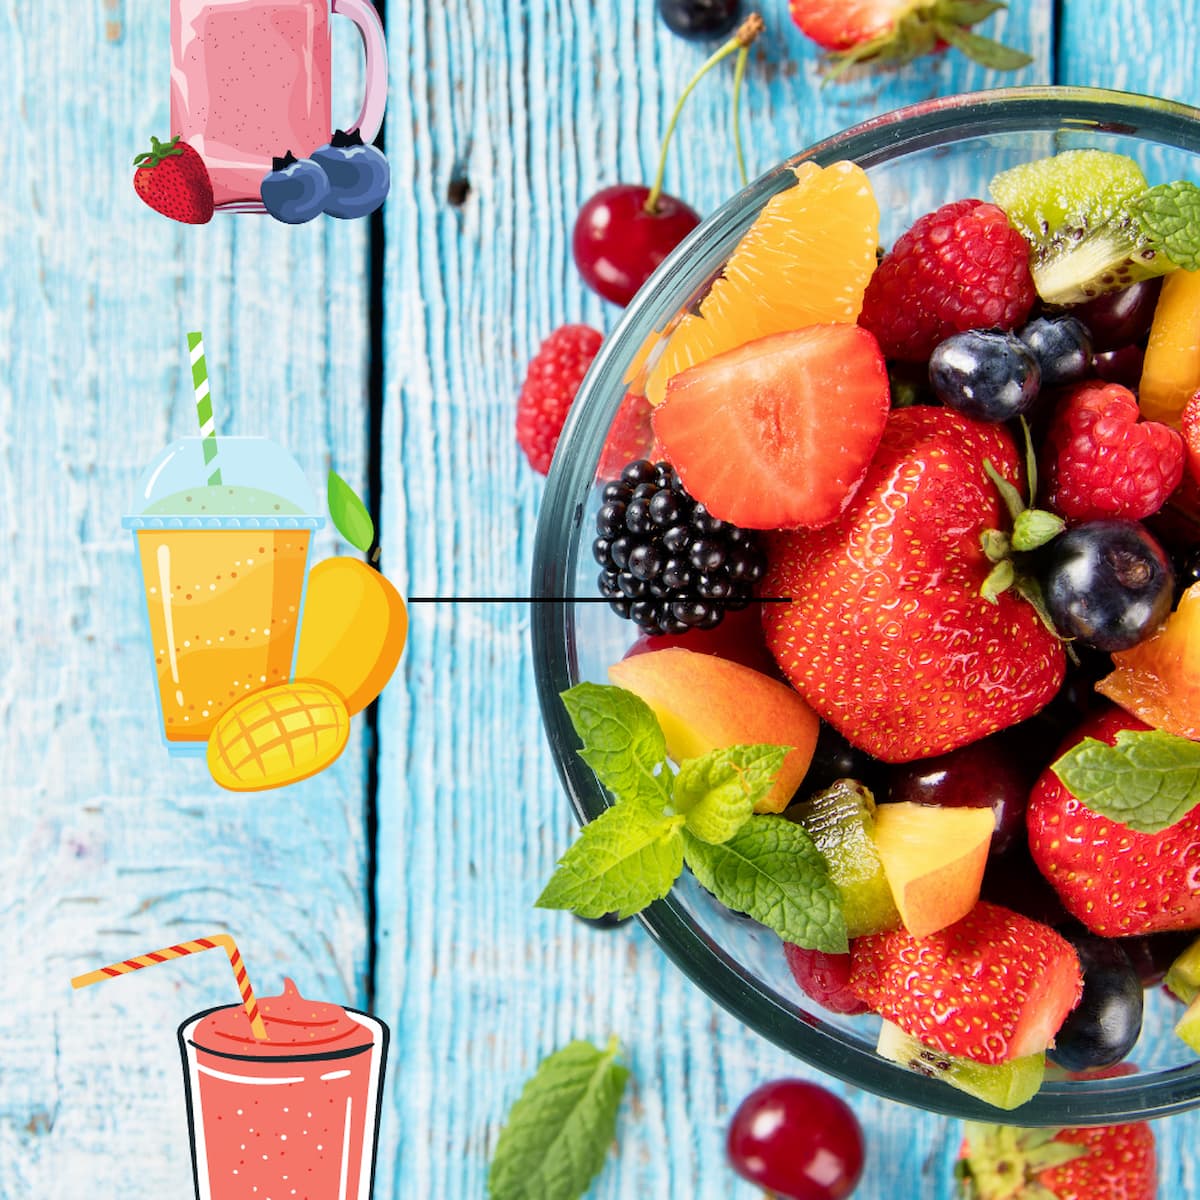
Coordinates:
547 600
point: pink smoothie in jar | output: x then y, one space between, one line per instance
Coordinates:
250 80
294 1117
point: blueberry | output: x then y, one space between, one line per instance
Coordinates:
295 190
1107 583
359 176
1062 347
986 374
696 19
1103 1027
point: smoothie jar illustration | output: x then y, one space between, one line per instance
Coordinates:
224 555
251 79
296 1112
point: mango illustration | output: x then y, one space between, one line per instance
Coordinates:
278 735
353 632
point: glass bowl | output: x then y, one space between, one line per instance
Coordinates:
917 158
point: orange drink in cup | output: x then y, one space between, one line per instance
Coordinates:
223 566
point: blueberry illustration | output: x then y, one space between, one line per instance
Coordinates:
359 177
296 190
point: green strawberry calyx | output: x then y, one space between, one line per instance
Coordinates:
929 25
157 152
1031 529
1002 1162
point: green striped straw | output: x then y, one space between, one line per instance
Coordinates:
204 409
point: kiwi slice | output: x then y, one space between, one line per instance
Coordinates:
1183 975
1005 1085
1188 1027
1076 211
841 822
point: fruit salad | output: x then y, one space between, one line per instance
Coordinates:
945 495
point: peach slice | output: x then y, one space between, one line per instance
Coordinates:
705 703
1171 371
933 858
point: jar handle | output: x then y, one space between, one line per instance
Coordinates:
363 14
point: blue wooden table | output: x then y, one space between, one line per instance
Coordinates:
403 879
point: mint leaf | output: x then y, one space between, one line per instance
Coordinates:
988 53
1170 214
1147 782
621 862
771 871
622 742
349 514
558 1132
717 792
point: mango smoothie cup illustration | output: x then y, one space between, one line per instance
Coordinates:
252 80
296 1114
224 567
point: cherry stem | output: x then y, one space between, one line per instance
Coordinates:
749 29
738 75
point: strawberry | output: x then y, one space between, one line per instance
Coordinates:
1190 424
1099 460
887 634
778 433
897 31
172 178
629 437
551 383
991 987
1117 881
1103 1162
960 267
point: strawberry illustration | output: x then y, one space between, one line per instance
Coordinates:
993 986
172 178
888 635
1117 881
1003 1163
897 31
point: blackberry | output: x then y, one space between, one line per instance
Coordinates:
665 561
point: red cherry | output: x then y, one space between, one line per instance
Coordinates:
618 243
738 638
797 1140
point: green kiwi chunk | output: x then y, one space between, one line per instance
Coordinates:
1078 212
841 822
1188 1027
1005 1085
1183 975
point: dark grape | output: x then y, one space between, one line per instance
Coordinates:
1107 1021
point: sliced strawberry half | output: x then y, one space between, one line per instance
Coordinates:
991 987
778 433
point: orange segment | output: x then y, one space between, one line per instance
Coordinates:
805 261
1171 372
1158 680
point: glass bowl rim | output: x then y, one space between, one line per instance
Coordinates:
942 120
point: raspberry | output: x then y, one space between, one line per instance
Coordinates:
1099 460
824 978
551 382
961 267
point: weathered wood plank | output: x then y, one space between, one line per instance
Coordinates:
111 848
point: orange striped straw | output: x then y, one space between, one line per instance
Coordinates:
220 941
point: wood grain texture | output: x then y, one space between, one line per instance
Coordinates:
111 848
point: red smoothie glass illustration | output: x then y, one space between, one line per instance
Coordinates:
251 79
295 1115
282 1092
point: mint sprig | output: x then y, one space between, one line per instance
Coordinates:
632 853
1169 215
717 793
1147 782
560 1129
624 860
771 871
622 742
